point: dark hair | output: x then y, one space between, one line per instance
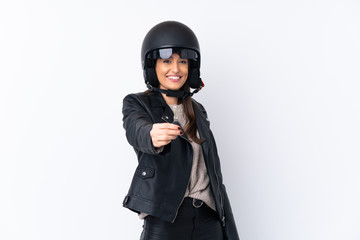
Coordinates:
190 126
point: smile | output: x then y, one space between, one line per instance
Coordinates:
174 78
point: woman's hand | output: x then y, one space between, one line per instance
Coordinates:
162 133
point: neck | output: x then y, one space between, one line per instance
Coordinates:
170 100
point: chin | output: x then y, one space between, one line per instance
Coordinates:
174 86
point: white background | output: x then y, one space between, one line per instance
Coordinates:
282 93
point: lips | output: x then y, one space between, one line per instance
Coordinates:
174 78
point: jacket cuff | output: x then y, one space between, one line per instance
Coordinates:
230 230
159 149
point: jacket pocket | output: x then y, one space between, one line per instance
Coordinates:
147 183
145 172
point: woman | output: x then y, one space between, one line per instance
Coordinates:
177 187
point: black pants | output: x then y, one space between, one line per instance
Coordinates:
191 223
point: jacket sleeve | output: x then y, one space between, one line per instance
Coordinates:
137 124
230 231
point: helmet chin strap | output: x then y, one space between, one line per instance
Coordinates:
172 93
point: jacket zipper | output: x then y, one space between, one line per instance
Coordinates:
182 200
218 183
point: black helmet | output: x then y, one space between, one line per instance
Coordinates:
160 42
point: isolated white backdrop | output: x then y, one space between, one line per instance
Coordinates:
282 94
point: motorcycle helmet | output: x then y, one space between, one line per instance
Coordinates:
162 41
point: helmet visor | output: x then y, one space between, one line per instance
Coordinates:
166 53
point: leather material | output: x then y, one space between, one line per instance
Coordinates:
159 192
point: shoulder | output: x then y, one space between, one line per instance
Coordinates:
198 105
133 101
147 100
139 98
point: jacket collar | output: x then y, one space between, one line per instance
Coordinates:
157 99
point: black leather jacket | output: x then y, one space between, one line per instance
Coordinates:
160 180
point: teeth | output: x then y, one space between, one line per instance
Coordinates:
173 77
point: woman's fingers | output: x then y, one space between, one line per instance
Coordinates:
162 133
166 137
170 132
169 126
166 129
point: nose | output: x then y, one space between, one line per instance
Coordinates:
175 67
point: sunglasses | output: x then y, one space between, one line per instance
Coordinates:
166 53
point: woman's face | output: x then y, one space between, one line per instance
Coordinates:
172 72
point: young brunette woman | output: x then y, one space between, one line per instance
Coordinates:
177 187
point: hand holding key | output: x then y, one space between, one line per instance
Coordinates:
162 133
